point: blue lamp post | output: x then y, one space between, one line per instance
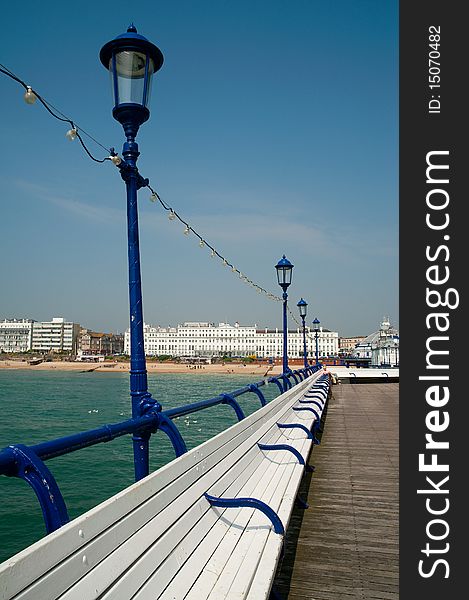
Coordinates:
316 332
284 273
302 307
131 60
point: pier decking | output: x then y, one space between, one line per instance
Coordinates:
345 546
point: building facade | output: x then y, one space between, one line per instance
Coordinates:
347 344
57 335
16 335
382 346
203 339
92 342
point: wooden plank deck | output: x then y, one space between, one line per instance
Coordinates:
345 546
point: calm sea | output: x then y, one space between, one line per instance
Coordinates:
39 406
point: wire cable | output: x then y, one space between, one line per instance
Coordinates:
57 114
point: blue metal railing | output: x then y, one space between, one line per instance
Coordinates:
27 462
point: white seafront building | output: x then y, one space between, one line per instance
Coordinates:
203 339
57 335
16 335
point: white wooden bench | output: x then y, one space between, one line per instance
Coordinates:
164 537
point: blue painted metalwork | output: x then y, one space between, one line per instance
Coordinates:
302 306
318 418
300 503
166 425
316 422
318 389
315 396
277 382
294 375
291 449
229 399
249 503
284 272
309 435
323 385
285 332
131 111
286 382
131 115
316 331
274 595
65 445
255 389
320 406
28 466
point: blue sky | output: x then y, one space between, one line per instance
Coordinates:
273 130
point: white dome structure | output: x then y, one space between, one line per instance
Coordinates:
382 346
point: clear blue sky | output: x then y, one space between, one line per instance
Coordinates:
273 129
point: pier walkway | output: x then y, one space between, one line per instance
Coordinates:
345 546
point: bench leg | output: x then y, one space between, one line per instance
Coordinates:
300 503
274 595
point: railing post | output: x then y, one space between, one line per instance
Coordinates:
29 466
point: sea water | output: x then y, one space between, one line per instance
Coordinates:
40 406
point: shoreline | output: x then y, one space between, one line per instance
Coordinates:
124 367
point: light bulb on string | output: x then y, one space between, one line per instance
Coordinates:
29 96
71 134
116 159
202 243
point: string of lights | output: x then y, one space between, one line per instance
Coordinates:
300 325
188 229
30 97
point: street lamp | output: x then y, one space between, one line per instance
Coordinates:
316 331
131 60
302 306
284 273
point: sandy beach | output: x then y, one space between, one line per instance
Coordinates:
152 367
